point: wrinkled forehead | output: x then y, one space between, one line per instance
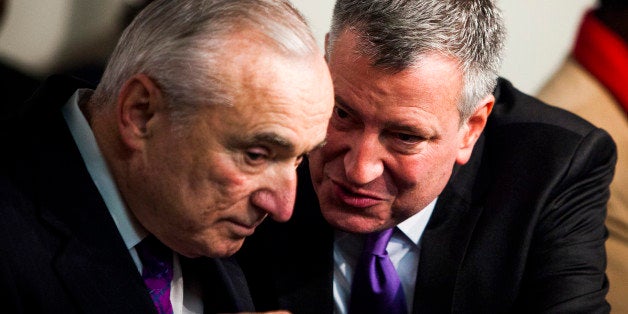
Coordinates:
262 83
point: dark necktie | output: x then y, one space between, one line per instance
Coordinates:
157 272
376 286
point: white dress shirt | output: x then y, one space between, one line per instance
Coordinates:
403 249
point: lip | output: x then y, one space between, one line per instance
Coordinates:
353 198
243 229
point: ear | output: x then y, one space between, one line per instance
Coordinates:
138 101
472 129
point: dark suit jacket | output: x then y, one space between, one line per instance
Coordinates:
518 229
60 251
15 87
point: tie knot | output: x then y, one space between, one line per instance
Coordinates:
157 272
376 242
376 286
156 258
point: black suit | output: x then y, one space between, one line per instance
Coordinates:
60 251
519 228
15 87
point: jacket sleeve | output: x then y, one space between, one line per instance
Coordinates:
567 262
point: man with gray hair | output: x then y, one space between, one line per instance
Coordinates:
441 188
131 198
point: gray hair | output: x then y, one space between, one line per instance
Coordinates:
395 34
178 44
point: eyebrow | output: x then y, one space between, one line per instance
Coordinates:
344 105
321 144
387 125
273 139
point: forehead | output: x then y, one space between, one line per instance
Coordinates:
427 93
271 93
436 81
252 68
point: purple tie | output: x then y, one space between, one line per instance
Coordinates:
376 286
157 272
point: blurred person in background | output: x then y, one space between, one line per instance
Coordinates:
593 83
91 69
15 85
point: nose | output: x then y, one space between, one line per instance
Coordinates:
363 162
277 193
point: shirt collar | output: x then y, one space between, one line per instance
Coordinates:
130 229
414 226
604 54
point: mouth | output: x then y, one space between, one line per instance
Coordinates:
354 198
243 229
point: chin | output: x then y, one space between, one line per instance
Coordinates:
226 249
351 222
215 249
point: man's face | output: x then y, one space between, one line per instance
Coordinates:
392 140
203 192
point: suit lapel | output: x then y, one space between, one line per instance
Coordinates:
447 235
303 266
224 287
310 288
235 287
91 258
102 279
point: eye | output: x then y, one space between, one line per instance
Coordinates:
408 138
340 112
406 143
256 156
342 120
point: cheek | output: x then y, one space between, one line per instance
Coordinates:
202 183
315 160
421 168
223 184
423 177
334 147
325 163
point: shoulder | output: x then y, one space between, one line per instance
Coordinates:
525 136
518 119
513 107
